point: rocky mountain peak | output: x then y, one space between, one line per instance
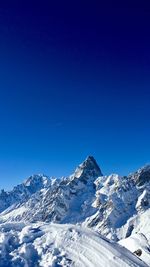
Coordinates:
89 168
142 176
37 180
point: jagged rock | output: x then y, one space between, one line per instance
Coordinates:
22 192
142 176
138 252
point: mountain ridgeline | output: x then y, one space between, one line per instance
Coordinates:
112 205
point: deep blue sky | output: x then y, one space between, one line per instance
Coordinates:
74 81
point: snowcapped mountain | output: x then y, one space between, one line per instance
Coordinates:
24 191
113 206
66 200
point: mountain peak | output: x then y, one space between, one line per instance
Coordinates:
142 176
36 179
91 159
89 168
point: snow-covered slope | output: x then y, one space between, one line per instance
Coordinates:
53 245
139 245
116 207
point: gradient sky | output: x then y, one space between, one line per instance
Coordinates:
74 81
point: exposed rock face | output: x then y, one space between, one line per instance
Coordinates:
88 169
143 202
142 176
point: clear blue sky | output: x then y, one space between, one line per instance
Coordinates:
74 81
